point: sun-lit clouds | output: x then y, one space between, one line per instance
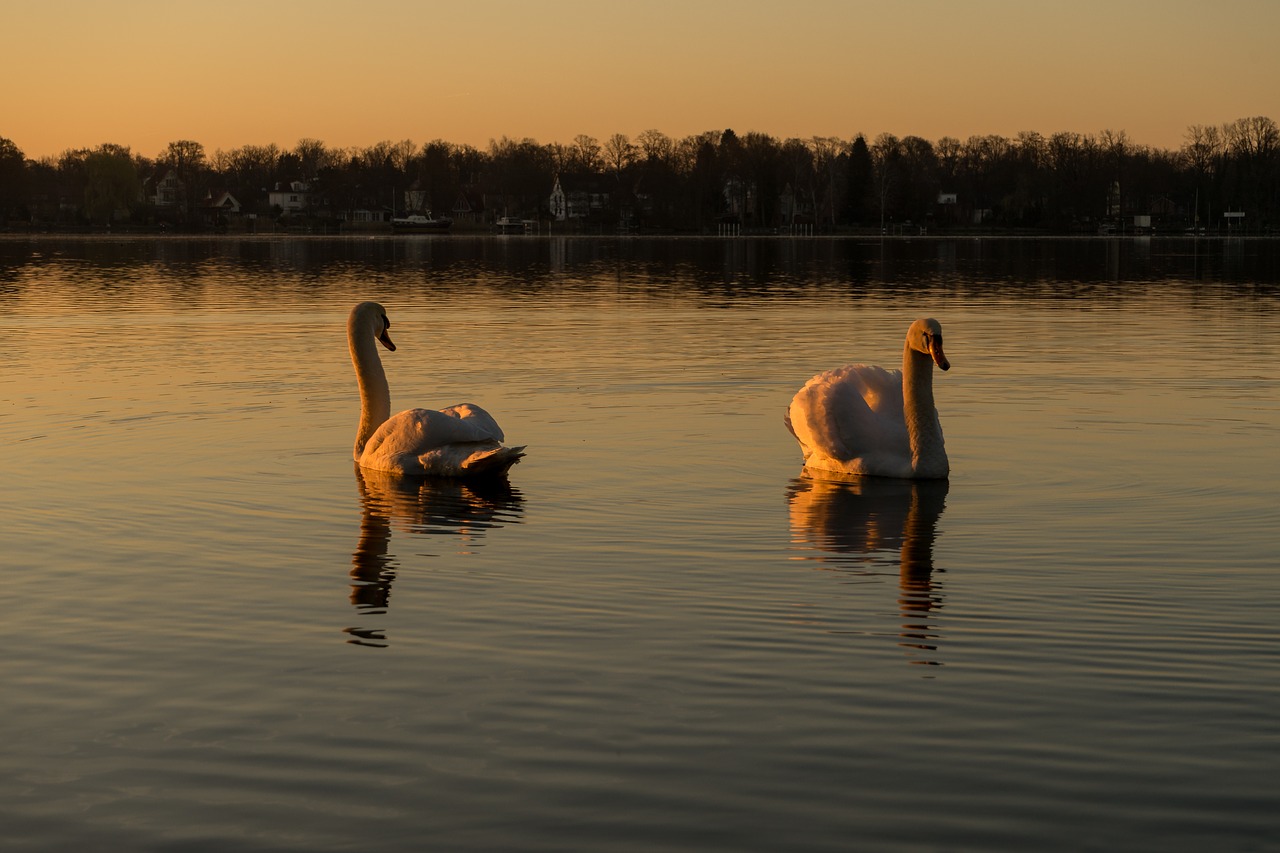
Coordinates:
146 73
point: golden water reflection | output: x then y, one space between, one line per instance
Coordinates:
861 525
462 510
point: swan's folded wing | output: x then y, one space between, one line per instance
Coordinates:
477 419
413 432
848 412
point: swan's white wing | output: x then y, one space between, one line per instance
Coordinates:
852 412
426 441
475 418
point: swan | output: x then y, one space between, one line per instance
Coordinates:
863 419
459 441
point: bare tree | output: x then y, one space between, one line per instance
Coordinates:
1030 197
619 153
1203 147
220 162
655 146
402 154
187 160
313 157
1254 165
686 153
586 153
987 164
251 171
112 184
183 155
378 154
947 150
521 172
1256 138
797 167
560 155
1201 152
826 158
885 152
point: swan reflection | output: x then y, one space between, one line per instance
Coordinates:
861 525
462 510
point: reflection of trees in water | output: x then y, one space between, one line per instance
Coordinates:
855 524
463 510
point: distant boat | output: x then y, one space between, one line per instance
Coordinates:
513 225
421 222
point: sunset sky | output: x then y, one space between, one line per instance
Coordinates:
143 73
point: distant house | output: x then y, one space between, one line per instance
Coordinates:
221 201
558 203
218 207
290 198
795 207
165 190
1163 206
947 211
578 202
416 199
739 199
467 207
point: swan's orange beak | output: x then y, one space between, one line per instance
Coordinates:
935 350
385 340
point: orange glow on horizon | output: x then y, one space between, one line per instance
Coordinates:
147 73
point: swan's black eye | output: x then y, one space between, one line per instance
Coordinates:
386 324
926 340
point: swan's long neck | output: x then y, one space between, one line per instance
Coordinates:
375 395
928 453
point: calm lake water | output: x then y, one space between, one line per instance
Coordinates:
658 635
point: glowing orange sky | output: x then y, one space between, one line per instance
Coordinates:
232 73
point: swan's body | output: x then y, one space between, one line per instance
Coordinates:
462 440
862 419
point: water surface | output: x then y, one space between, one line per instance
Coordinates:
658 634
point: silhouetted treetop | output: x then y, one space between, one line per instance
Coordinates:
1063 181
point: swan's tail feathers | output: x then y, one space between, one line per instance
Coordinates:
493 461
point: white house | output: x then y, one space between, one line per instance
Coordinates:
291 198
558 203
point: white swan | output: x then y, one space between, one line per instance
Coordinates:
862 419
459 441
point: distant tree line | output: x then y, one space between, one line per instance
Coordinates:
1063 182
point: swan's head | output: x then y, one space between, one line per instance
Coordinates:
925 336
373 316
